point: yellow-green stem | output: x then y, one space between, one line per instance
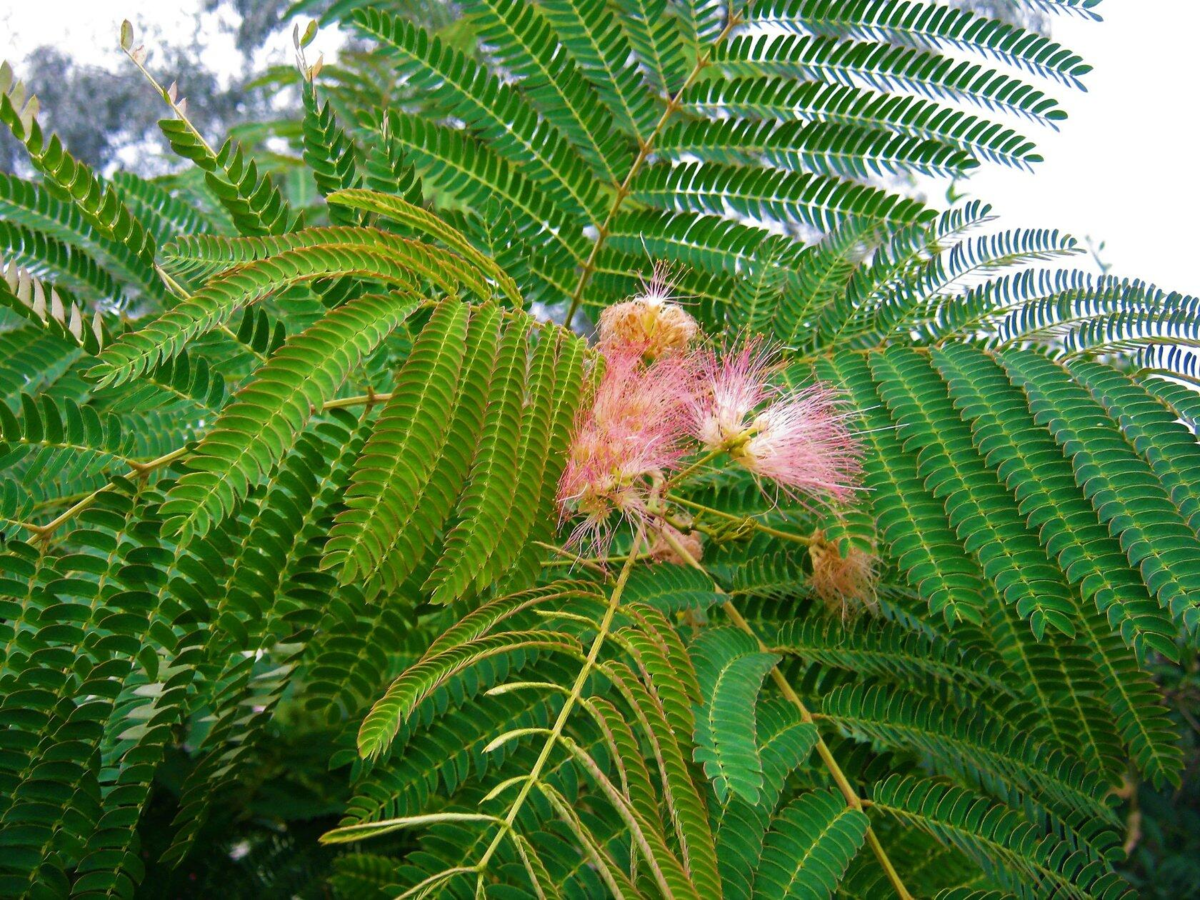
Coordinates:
691 469
748 520
614 601
573 558
45 531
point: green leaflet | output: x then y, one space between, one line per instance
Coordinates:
785 742
766 97
671 588
253 433
329 153
885 68
809 846
136 351
823 148
731 669
883 649
1007 549
486 504
252 200
975 743
553 84
400 210
74 182
910 518
393 709
683 800
61 449
1168 446
1000 839
1087 554
568 397
537 424
651 30
496 111
597 41
472 171
1169 559
759 194
397 461
41 303
928 26
71 265
211 252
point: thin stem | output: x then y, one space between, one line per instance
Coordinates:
144 468
232 335
590 561
176 288
175 107
614 601
574 558
159 462
45 531
644 150
749 521
361 400
839 777
692 469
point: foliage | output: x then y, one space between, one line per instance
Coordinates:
282 555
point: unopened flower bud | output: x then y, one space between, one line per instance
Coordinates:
845 583
649 324
662 550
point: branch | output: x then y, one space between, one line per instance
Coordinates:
573 697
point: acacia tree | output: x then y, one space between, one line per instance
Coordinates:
831 568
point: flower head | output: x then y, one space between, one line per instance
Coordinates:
649 324
797 438
733 385
802 443
631 435
845 583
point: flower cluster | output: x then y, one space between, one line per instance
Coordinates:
660 398
798 439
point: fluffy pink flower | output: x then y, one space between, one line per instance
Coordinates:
732 386
801 441
798 439
633 433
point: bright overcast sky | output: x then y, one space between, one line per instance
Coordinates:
1122 169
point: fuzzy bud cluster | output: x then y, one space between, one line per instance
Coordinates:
844 582
649 323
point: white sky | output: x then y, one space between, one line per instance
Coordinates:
1121 170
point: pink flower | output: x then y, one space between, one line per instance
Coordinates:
802 442
633 434
733 385
796 438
